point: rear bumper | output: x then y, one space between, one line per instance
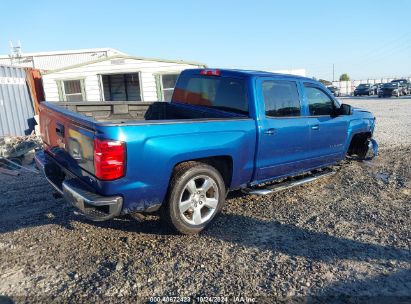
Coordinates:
95 206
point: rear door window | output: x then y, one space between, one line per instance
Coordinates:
223 93
281 98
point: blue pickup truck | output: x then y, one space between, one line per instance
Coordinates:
223 130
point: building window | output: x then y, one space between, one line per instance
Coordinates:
73 90
168 82
121 87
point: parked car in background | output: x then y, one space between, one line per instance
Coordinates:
334 90
223 130
390 89
377 87
404 85
364 89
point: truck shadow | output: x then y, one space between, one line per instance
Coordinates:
271 235
383 288
251 232
234 228
295 241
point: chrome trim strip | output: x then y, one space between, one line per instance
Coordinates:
172 122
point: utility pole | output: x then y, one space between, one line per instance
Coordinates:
15 52
333 73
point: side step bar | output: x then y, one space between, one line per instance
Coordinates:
287 184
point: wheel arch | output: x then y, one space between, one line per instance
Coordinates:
222 163
358 143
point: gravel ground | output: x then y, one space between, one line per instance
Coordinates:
393 125
345 238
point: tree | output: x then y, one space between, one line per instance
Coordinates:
325 82
344 77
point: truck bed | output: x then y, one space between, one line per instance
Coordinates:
153 138
125 112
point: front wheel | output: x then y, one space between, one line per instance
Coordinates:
196 195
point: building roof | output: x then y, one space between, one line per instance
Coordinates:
124 57
67 52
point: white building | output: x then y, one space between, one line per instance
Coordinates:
56 59
115 78
297 72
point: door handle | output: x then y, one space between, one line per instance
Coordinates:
315 127
270 131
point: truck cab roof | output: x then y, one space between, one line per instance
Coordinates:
249 73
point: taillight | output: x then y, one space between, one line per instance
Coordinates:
109 159
209 72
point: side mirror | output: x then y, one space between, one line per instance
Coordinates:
345 109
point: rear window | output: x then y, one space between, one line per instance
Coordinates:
223 93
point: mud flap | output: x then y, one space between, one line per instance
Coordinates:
372 149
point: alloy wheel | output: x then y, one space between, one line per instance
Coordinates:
198 200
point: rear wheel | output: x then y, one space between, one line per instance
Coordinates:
196 195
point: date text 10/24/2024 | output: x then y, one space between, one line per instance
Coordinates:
202 299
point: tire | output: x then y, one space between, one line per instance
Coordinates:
187 191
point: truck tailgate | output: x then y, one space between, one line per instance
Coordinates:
68 140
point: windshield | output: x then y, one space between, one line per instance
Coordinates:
223 93
361 86
391 85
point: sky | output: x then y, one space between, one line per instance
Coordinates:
366 39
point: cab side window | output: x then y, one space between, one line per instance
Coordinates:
319 103
281 98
